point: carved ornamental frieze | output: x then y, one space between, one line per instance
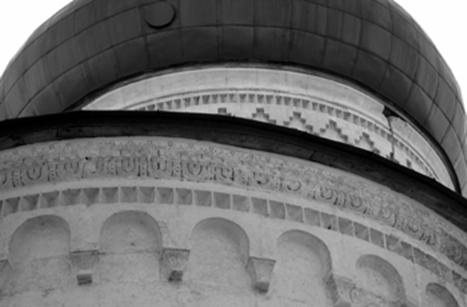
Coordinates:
181 160
298 100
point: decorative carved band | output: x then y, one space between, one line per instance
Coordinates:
159 158
368 126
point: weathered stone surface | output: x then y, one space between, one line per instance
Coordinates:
236 168
203 198
353 214
183 161
174 261
84 263
260 270
308 107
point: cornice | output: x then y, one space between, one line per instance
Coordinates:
241 133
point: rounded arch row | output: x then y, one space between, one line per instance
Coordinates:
219 242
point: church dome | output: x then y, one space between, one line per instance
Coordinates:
91 45
297 153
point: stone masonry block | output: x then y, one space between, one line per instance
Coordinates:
361 232
91 196
128 195
400 247
71 197
405 250
203 198
329 221
110 195
29 202
260 206
459 282
294 213
10 206
445 272
346 226
277 209
240 203
146 195
222 200
426 261
49 200
312 217
184 196
392 242
166 195
376 237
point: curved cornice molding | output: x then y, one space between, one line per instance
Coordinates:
241 133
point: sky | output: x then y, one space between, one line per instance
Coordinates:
446 24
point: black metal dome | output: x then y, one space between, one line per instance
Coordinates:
92 44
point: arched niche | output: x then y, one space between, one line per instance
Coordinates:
39 237
380 279
302 270
38 254
130 243
219 253
438 296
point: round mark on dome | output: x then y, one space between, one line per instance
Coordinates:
159 14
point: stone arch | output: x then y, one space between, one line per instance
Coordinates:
302 271
219 254
438 296
130 231
130 243
378 279
38 253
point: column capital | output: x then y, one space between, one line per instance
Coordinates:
83 263
260 270
174 261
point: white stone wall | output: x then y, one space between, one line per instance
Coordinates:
310 103
111 232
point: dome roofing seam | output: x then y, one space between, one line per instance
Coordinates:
60 17
417 45
373 53
109 48
215 25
